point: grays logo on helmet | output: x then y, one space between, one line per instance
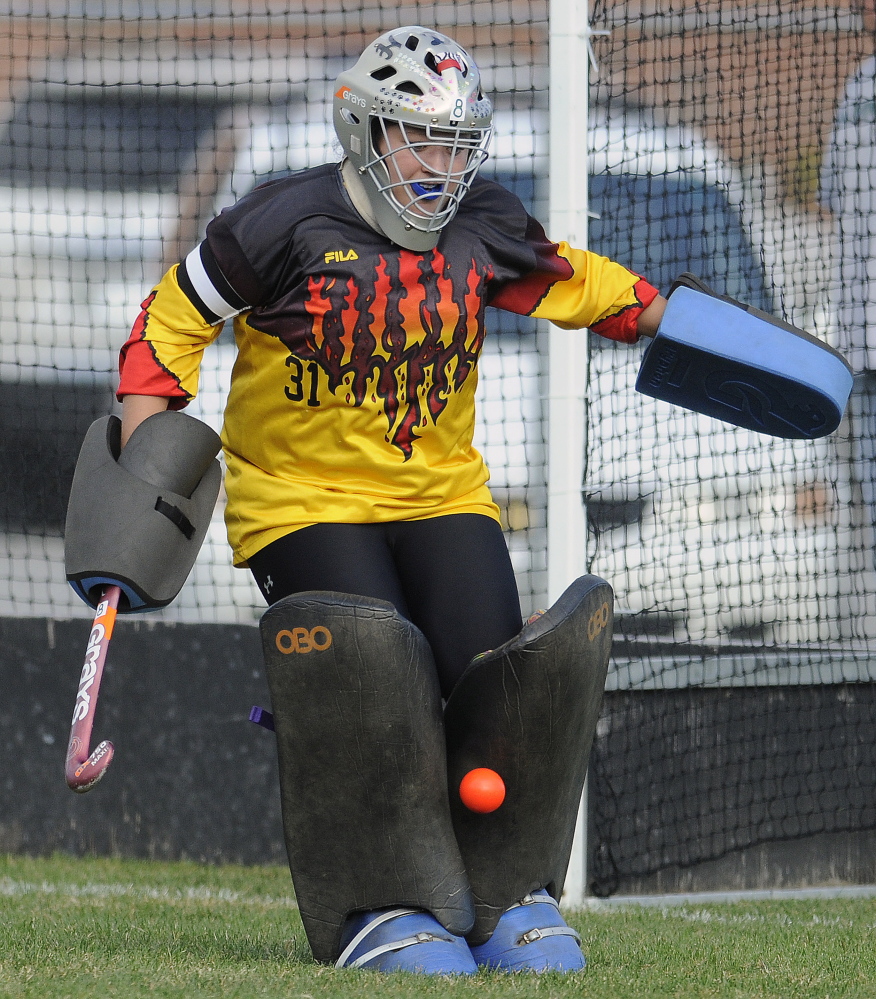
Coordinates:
415 124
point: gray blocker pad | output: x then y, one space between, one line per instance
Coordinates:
137 516
363 779
528 710
716 356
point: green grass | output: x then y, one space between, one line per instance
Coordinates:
115 928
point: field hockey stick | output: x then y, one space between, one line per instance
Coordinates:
85 769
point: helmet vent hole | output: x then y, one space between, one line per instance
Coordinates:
349 117
431 62
409 87
412 43
384 73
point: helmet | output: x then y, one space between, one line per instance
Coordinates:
414 92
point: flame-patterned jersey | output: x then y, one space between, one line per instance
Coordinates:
353 392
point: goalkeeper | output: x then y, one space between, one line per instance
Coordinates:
358 293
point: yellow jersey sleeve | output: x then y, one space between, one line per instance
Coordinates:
574 288
162 356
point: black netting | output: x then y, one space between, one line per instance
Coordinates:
722 145
735 141
720 772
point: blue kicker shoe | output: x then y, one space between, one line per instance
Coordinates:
532 936
404 940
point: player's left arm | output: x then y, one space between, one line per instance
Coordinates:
600 294
576 288
649 317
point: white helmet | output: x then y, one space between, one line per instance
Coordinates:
422 82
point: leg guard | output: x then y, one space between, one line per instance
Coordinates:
528 710
363 778
137 517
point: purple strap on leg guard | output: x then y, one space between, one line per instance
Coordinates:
262 717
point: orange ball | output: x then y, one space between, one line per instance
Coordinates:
482 790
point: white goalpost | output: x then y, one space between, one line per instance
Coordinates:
567 352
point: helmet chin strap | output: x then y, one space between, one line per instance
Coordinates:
356 194
362 203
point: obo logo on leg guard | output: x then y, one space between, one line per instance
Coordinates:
597 621
316 639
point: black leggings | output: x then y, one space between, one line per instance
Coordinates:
451 576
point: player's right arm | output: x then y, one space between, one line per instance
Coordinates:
160 362
136 409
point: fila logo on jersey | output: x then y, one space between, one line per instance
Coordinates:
341 255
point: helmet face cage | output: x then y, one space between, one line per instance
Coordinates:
429 202
413 90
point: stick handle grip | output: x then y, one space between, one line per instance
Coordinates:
84 768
